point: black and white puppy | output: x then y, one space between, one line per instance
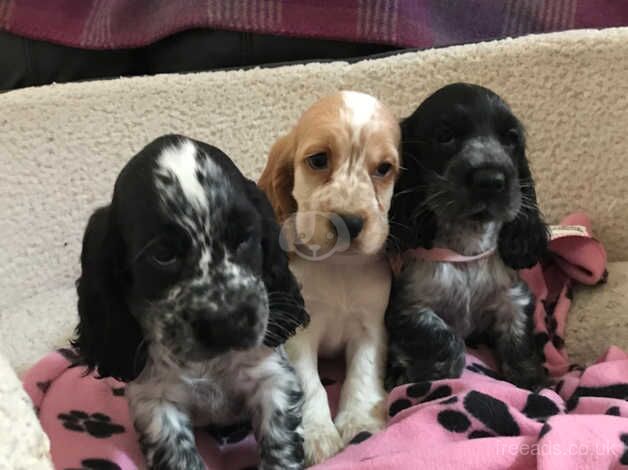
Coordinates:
466 189
186 294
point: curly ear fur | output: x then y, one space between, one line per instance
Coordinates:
108 338
411 224
287 309
277 179
523 242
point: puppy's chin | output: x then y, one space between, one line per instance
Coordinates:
371 242
481 211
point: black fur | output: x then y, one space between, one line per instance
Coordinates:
523 240
466 185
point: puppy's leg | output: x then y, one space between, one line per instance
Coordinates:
362 400
421 347
165 434
514 341
277 406
321 436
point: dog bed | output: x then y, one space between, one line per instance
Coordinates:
62 146
88 420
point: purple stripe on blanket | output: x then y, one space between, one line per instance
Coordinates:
111 24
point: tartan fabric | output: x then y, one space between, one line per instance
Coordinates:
115 24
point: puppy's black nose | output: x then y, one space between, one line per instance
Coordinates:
354 224
488 180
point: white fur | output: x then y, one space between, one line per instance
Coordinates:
182 164
346 297
361 108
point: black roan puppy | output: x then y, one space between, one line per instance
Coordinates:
466 187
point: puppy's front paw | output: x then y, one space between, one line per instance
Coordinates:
350 423
321 441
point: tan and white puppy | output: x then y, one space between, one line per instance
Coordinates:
330 181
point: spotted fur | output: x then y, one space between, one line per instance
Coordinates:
186 294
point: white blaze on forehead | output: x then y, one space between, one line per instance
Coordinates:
361 107
181 162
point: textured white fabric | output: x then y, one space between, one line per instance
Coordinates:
62 146
23 445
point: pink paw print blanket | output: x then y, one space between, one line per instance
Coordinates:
475 421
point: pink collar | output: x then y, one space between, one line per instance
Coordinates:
446 255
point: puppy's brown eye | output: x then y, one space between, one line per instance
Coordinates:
383 169
318 161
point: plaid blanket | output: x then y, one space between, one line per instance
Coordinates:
116 24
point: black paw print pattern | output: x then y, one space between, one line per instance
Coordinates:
619 391
97 464
229 434
96 424
624 457
552 324
416 391
613 411
489 411
544 430
539 407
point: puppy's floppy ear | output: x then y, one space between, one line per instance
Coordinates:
277 179
524 241
287 309
108 338
412 224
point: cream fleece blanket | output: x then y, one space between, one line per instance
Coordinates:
62 146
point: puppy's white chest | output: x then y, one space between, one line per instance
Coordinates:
343 295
